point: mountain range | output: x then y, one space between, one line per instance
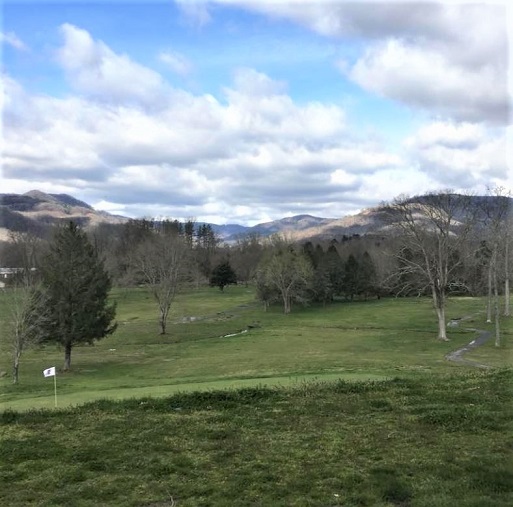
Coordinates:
36 211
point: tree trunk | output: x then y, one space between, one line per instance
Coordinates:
286 304
439 304
16 368
507 311
162 324
496 310
506 281
67 356
489 302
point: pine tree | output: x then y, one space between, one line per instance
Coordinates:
76 286
223 275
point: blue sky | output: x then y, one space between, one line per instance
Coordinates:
245 111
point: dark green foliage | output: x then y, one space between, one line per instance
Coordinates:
76 288
351 276
367 276
223 275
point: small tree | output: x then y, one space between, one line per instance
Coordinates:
76 288
289 273
160 262
29 314
223 275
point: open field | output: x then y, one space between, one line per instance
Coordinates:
361 340
423 441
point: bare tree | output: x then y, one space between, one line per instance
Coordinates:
496 209
432 230
161 262
27 316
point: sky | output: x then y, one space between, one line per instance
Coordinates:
245 111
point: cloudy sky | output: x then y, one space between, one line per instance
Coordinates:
250 110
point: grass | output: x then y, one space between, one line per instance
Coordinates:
361 340
424 441
207 416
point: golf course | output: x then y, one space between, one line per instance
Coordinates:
352 403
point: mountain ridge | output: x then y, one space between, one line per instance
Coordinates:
36 210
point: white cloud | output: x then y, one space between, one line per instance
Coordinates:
177 62
448 58
461 155
253 154
11 39
96 71
424 78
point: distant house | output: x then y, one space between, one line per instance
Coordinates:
6 273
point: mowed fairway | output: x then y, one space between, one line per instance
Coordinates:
361 340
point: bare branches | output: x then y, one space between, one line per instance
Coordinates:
431 230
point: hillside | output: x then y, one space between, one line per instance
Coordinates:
35 211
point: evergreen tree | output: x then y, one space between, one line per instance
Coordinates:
76 287
223 275
367 276
351 276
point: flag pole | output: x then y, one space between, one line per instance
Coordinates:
55 388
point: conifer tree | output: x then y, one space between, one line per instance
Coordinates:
76 288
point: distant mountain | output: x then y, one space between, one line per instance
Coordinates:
35 211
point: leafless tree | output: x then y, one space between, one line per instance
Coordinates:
161 263
496 211
27 315
431 232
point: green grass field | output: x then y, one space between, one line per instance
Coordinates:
348 405
426 441
362 340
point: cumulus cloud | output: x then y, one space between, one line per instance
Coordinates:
443 57
427 79
255 150
96 71
252 154
460 154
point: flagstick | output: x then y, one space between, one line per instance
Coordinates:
55 388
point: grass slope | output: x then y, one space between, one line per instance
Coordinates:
361 340
424 441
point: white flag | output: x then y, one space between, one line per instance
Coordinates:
49 372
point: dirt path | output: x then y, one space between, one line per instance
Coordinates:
457 355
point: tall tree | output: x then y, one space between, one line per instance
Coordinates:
367 275
496 209
432 228
76 288
351 276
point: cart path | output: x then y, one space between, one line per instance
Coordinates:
457 355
